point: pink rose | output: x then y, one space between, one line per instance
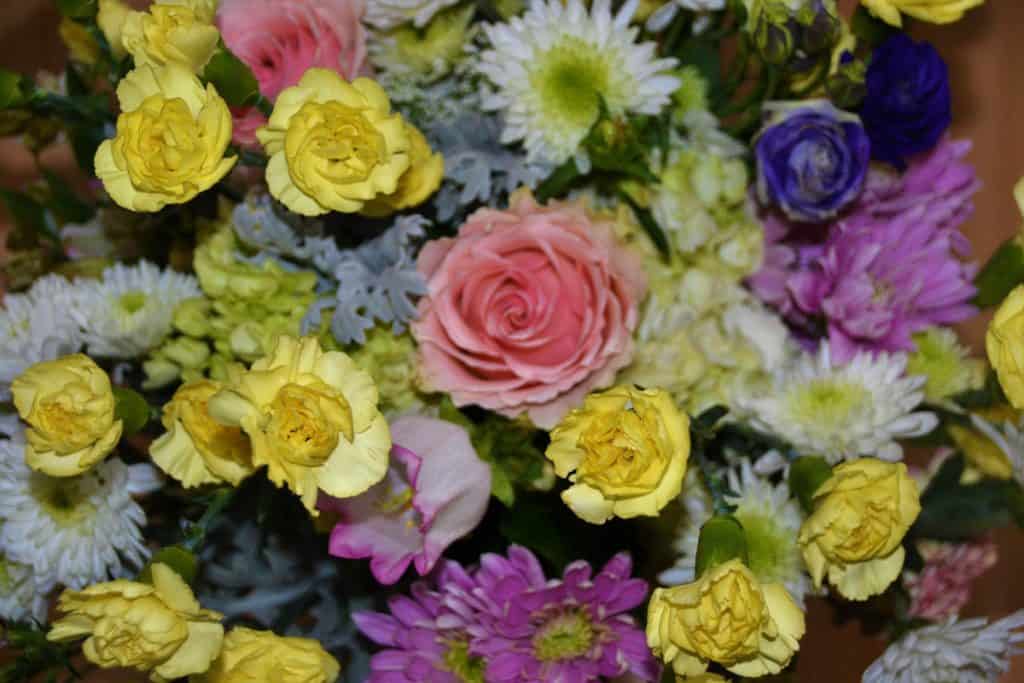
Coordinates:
528 309
281 39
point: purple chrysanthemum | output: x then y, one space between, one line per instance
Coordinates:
505 622
890 267
572 630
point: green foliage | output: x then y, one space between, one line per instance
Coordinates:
78 9
232 78
65 204
953 511
35 656
869 29
806 476
29 215
14 90
131 409
183 562
721 539
1003 272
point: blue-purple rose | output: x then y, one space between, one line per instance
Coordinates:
908 106
812 159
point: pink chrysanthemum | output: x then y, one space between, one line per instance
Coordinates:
943 587
891 267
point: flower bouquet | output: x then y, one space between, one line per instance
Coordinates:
501 341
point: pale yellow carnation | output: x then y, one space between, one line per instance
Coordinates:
725 616
172 32
196 449
250 656
855 534
1005 346
156 628
934 11
624 450
333 145
171 138
426 170
981 453
111 18
69 407
312 418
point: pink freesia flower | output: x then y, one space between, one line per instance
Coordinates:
430 497
528 309
943 587
281 39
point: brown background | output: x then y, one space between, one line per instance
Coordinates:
985 53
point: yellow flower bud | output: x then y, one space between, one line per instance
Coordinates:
934 11
80 43
333 145
1005 346
725 616
855 534
981 453
69 406
250 656
170 143
625 451
426 169
197 449
156 628
179 33
111 18
312 419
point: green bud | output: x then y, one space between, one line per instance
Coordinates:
721 539
806 476
160 372
192 317
177 558
187 352
131 409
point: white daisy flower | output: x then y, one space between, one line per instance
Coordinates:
553 66
387 14
1010 439
861 408
970 651
771 521
36 326
130 309
21 598
71 530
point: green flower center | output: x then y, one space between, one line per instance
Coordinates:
62 499
566 636
461 664
132 302
570 79
771 547
827 403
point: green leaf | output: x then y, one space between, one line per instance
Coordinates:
721 539
869 29
501 485
537 524
65 203
85 140
177 558
806 476
13 89
132 409
558 182
1003 272
28 214
955 513
232 78
78 9
650 226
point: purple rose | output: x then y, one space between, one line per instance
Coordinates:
811 160
908 106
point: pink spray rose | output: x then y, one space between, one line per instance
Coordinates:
943 587
281 39
528 309
430 498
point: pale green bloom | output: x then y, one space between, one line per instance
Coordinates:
391 361
945 364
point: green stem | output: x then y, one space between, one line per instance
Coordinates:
196 533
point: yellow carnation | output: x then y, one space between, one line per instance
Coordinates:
625 451
197 449
426 169
333 145
981 453
855 534
312 418
69 406
1005 346
725 616
250 656
171 32
111 18
158 628
934 11
170 143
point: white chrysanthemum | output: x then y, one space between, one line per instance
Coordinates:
1010 439
36 326
664 15
771 521
129 310
860 408
71 530
970 651
387 14
553 66
21 598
